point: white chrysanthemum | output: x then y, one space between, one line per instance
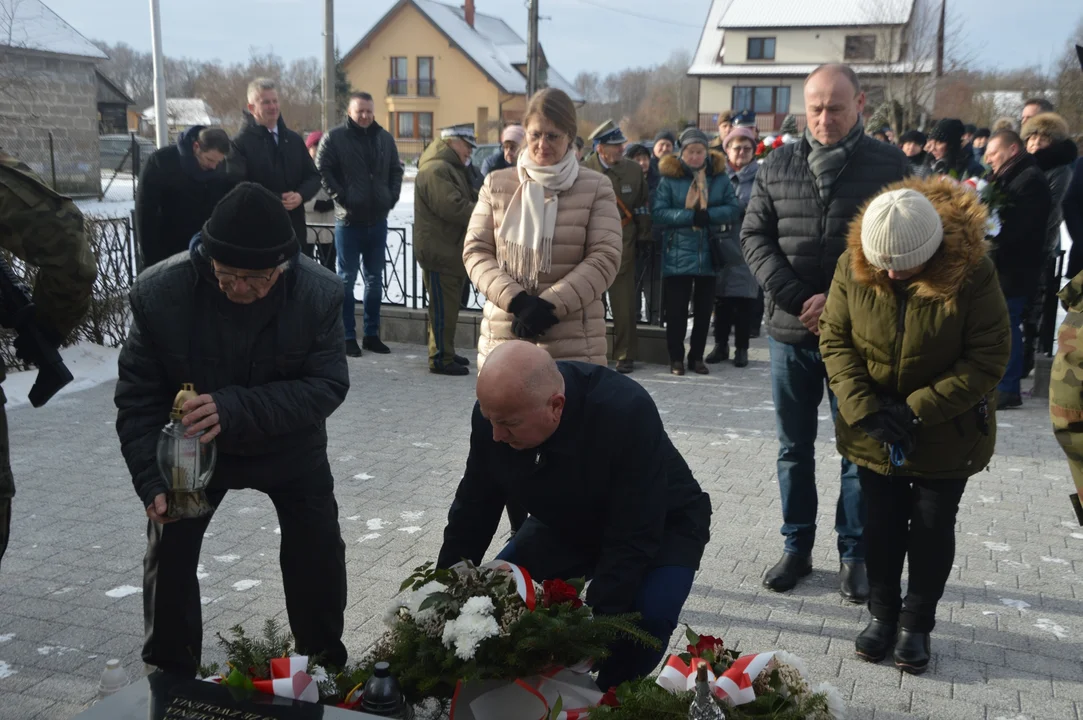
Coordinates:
413 603
466 631
835 702
478 605
391 615
318 674
793 661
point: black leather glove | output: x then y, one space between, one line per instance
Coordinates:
701 219
893 424
533 316
323 205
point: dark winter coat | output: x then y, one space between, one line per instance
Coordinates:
961 166
737 281
280 167
939 342
918 164
362 172
1019 247
175 197
444 200
496 161
685 248
276 369
1056 161
633 204
1073 219
792 240
609 480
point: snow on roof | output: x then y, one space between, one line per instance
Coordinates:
492 44
184 112
920 67
33 26
705 61
802 13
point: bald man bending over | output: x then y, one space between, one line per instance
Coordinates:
582 449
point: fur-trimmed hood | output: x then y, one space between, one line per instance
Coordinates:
1050 124
670 166
963 217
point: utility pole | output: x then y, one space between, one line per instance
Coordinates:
532 55
328 64
161 128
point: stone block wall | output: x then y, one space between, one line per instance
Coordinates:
58 96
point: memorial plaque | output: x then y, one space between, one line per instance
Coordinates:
161 696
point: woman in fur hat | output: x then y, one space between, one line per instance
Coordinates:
915 337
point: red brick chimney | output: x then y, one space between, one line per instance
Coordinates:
468 12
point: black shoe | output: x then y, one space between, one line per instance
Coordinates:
677 367
460 360
740 357
372 342
912 652
754 333
853 582
718 354
786 572
876 640
1028 361
352 350
449 369
1008 400
625 366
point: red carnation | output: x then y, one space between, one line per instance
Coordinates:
760 148
777 143
557 592
706 642
610 698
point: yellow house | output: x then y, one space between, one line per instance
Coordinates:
755 54
428 65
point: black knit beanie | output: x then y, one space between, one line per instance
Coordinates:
665 135
250 229
948 130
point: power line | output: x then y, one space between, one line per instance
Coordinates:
641 16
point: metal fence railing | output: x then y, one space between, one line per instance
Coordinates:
68 162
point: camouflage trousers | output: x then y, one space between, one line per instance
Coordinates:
7 483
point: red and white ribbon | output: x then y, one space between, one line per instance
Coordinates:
734 685
530 698
290 679
524 585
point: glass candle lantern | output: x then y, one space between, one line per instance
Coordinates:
186 463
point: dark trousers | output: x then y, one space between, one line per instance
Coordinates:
1010 385
7 483
736 313
659 599
313 560
445 293
679 290
361 248
912 517
798 379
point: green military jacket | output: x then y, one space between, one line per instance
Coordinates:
1066 381
939 342
444 199
633 197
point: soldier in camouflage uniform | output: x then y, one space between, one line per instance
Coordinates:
633 196
45 230
1066 385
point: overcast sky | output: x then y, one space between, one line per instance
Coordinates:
600 35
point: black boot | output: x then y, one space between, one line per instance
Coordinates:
912 652
373 343
352 350
460 360
875 641
786 572
718 353
740 357
853 582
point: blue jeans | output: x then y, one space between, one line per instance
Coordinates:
1014 373
798 377
361 247
659 599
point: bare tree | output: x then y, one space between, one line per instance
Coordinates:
17 83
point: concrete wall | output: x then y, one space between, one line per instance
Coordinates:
60 97
463 93
810 45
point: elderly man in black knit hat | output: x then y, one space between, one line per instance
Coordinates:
256 327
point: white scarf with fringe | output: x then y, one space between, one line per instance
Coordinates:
530 219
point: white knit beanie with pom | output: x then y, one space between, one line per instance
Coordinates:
900 230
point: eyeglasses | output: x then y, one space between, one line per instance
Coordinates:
741 148
229 277
551 137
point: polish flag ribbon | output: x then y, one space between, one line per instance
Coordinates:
735 684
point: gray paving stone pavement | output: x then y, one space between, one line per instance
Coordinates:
1008 645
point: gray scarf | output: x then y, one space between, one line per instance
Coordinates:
827 161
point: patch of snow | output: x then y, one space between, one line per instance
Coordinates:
6 670
1051 627
346 458
732 436
227 558
988 612
376 524
247 510
1020 605
369 536
412 514
410 530
204 600
201 573
278 531
1058 561
989 582
354 517
123 591
91 365
1077 536
242 585
422 445
363 476
988 499
997 547
7 637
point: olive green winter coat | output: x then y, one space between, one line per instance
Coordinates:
939 341
444 199
1066 381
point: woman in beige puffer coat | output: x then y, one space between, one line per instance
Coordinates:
546 292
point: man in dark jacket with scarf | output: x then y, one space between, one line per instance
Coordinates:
805 196
360 167
267 152
583 450
1019 249
179 186
255 326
